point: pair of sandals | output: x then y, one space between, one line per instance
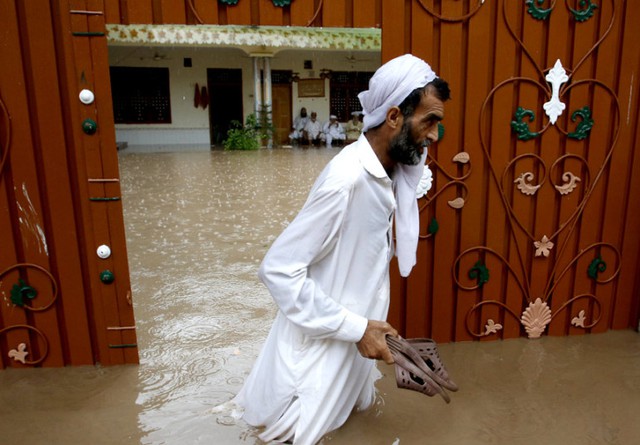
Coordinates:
419 367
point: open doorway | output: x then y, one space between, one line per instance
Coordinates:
281 113
225 92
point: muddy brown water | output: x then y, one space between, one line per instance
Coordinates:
198 224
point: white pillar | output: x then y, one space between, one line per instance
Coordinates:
257 86
268 95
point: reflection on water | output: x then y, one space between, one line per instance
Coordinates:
198 225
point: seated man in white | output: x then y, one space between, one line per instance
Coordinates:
333 131
354 127
313 130
298 126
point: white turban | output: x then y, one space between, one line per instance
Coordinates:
388 87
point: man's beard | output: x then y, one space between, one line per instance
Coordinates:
404 149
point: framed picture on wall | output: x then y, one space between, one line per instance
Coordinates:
311 88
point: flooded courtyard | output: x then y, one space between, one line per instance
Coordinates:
198 224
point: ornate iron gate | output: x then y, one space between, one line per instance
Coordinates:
530 226
64 296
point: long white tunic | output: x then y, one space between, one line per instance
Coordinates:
328 273
298 125
313 129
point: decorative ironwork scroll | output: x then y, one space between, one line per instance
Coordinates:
194 10
23 296
586 9
21 350
315 15
462 159
461 18
28 292
21 293
520 127
570 176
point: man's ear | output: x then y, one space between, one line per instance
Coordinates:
394 117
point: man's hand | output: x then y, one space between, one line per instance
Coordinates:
373 343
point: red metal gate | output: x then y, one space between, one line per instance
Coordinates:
529 229
533 180
59 192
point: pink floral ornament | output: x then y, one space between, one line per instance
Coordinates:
543 246
578 321
19 355
492 327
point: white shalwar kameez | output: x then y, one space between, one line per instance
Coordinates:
329 273
333 132
313 129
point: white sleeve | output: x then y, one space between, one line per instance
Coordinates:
284 270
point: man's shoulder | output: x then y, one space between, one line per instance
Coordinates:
346 167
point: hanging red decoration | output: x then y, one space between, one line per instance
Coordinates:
196 98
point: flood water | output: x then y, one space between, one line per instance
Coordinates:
198 224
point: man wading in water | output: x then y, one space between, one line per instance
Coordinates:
328 271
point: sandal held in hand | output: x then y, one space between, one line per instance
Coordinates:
419 368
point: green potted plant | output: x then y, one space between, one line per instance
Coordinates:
258 130
241 137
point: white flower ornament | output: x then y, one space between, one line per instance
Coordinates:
543 246
425 182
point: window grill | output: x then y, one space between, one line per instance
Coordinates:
345 86
140 95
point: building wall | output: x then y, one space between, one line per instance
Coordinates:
190 125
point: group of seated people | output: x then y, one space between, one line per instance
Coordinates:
307 130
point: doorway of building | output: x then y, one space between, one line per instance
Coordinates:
225 92
281 96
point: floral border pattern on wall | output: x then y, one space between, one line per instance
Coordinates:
272 37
